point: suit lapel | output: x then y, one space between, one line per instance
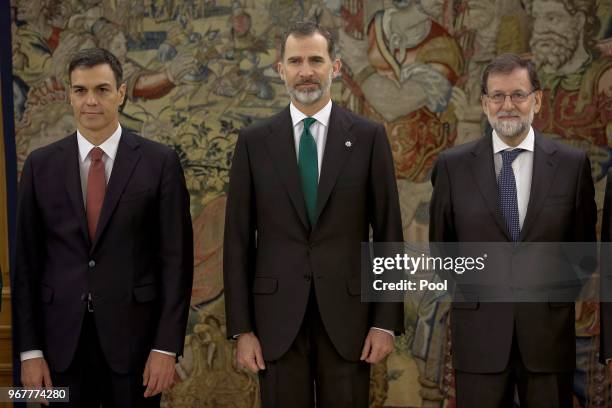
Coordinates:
483 171
281 146
125 161
72 179
335 155
544 168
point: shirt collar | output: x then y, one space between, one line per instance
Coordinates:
109 147
321 116
527 143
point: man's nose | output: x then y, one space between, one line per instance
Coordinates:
91 99
306 70
508 105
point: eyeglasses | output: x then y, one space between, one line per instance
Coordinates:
515 97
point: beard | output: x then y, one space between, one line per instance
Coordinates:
510 128
552 50
309 97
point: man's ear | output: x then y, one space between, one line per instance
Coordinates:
538 100
281 70
336 67
483 103
122 90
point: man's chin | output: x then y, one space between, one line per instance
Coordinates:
308 98
509 133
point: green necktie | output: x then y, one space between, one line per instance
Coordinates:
309 168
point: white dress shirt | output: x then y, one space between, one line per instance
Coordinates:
109 147
522 167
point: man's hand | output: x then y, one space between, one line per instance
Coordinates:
248 352
158 373
378 345
35 374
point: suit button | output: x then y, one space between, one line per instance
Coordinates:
83 296
92 263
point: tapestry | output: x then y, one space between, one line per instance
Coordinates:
197 71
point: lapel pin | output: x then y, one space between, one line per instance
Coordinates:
348 143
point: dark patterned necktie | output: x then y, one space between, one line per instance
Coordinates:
96 188
507 193
309 169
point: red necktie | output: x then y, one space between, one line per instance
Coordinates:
96 187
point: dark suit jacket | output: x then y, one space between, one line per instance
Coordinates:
465 208
272 257
138 268
605 351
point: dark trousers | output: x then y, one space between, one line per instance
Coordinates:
535 390
93 384
312 373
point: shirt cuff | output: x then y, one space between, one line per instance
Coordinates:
30 354
385 330
165 352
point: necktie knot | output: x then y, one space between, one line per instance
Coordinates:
508 156
308 122
96 154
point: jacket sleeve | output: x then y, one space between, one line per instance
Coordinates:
29 251
386 222
440 207
239 243
176 256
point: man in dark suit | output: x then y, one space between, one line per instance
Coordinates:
306 186
514 185
104 253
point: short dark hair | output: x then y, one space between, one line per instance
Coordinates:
306 29
505 64
91 57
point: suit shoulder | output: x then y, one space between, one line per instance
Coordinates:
358 121
262 126
564 150
151 146
43 152
458 152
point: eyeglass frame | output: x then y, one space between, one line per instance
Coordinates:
526 96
